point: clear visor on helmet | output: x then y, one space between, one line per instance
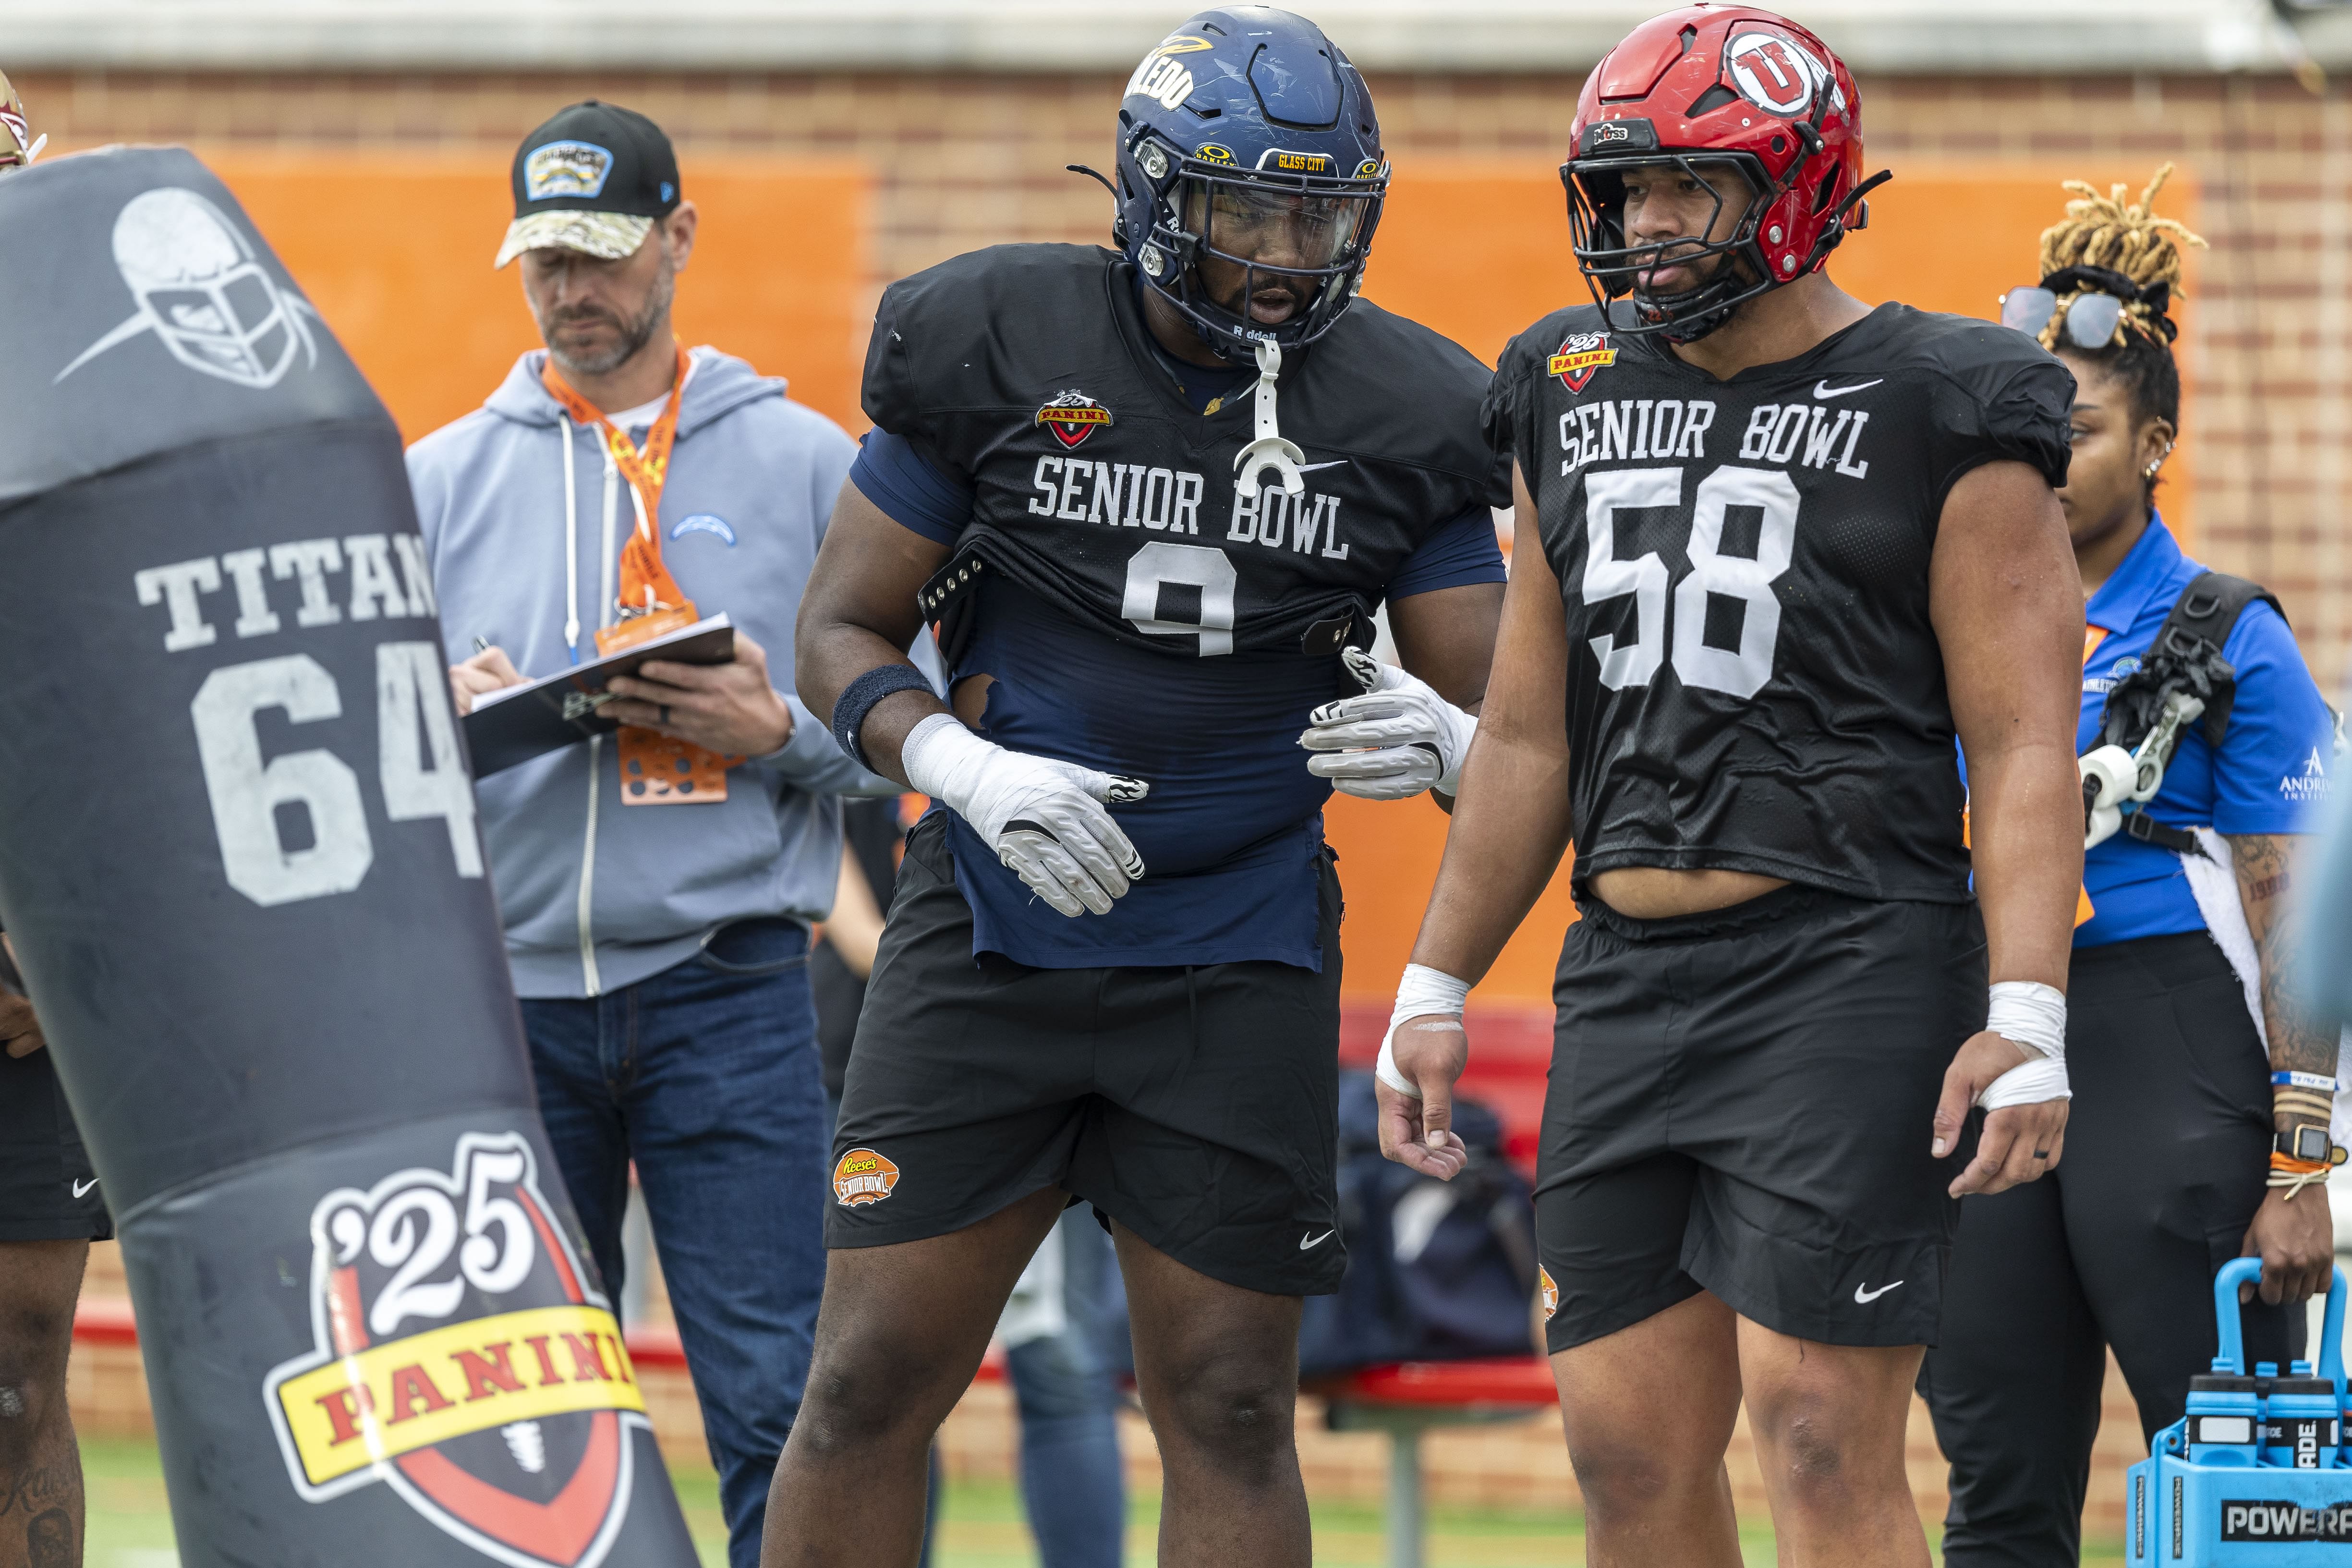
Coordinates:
1271 227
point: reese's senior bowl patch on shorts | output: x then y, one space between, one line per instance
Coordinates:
863 1176
465 1359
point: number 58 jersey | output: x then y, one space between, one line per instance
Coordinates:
1753 681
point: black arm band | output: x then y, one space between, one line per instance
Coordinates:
859 700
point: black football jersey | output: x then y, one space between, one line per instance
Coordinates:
1029 369
1753 681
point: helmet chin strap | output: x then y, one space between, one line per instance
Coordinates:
1269 450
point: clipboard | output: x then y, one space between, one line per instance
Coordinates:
516 724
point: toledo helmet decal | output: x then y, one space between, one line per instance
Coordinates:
1778 74
863 1176
1072 416
202 293
1582 356
464 1360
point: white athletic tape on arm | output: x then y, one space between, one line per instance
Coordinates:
2033 1016
941 757
1423 992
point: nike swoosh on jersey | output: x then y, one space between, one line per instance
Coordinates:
82 1187
1862 1298
1823 390
1317 1240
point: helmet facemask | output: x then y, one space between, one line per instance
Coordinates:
1312 230
1613 267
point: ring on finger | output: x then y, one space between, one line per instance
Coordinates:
2041 1154
664 714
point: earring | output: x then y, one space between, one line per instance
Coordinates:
2148 473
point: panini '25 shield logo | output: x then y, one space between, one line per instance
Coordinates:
465 1361
1581 355
1072 416
1547 1292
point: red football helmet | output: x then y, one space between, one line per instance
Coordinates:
1717 85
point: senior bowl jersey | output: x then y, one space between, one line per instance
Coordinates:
1754 682
1138 612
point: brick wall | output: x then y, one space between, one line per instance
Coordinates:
963 161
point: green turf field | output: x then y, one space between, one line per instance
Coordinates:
131 1526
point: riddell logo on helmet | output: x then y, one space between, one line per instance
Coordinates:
1072 416
1581 355
1778 74
863 1176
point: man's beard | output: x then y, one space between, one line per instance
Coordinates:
633 335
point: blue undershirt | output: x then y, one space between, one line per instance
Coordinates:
1231 832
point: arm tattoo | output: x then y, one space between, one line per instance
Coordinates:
2297 1043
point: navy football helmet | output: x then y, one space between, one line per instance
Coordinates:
1246 136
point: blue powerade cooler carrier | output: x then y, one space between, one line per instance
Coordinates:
2257 1471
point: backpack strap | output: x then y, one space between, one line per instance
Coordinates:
2208 609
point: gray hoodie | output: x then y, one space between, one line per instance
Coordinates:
597 895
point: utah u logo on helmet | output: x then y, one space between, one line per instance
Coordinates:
1707 89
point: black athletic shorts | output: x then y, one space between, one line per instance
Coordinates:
1197 1106
48 1190
1742 1102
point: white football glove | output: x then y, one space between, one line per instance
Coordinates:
1397 740
1044 818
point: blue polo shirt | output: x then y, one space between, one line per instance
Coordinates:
2269 775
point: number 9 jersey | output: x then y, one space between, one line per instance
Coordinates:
1140 614
1754 683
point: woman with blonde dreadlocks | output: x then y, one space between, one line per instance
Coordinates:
2197 1130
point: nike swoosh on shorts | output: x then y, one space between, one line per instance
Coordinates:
1822 389
1865 1298
1317 1240
82 1187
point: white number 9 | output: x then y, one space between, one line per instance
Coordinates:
1189 566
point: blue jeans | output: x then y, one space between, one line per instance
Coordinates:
1071 1477
706 1075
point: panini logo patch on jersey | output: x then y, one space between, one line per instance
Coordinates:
463 1360
1072 416
1282 162
1582 356
863 1176
1210 152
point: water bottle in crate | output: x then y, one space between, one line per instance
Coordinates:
2256 1471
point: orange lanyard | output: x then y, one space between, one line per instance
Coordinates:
645 584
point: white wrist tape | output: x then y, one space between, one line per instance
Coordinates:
1424 991
940 757
2033 1016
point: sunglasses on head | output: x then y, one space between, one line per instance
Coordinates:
2091 318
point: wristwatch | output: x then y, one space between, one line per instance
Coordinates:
2305 1141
